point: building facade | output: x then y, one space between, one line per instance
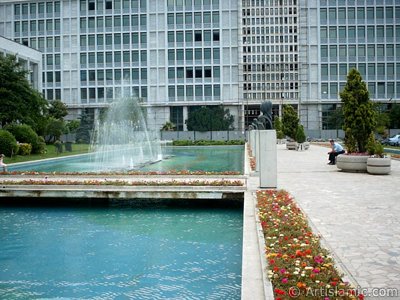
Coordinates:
178 54
30 59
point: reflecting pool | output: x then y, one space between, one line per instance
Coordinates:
120 253
194 158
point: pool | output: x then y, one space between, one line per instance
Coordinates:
194 158
120 252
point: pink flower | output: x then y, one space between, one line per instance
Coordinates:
285 280
318 259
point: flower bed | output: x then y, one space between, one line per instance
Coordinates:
298 266
171 172
124 183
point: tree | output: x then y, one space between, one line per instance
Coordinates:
168 126
279 128
209 118
83 133
395 116
55 128
358 111
290 121
58 109
20 103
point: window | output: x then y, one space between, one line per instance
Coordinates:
91 5
109 4
216 35
198 72
197 36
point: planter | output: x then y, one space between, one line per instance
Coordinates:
378 165
303 146
281 141
291 145
352 163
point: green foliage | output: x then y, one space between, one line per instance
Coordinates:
83 133
206 143
168 126
358 111
24 133
394 115
41 146
300 135
59 147
20 103
24 149
58 109
209 118
374 147
73 125
8 143
290 121
279 128
335 119
55 128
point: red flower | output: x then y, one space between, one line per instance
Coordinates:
280 292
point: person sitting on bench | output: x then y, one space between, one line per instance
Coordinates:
336 150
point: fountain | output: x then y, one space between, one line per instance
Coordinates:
121 140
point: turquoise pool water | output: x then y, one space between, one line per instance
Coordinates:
120 253
206 158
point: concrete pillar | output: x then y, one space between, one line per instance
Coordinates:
185 117
257 149
267 156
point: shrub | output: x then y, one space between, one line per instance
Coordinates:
25 134
300 135
24 149
8 143
290 121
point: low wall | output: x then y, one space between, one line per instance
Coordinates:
197 135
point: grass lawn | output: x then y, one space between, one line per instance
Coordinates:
50 153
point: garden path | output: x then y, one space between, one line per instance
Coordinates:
357 214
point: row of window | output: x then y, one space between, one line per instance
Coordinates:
34 8
190 19
35 26
190 36
277 11
256 50
197 54
115 22
264 77
361 32
269 30
270 21
196 72
360 13
51 77
377 90
270 67
189 3
136 74
42 44
279 58
370 70
370 50
101 93
100 5
270 39
52 94
274 86
115 39
271 95
92 58
190 92
268 2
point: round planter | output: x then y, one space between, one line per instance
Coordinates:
352 163
291 145
378 165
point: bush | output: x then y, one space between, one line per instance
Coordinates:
41 145
8 143
25 134
300 135
24 149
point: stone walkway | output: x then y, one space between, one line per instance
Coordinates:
357 214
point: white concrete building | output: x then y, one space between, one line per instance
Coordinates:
30 58
178 54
